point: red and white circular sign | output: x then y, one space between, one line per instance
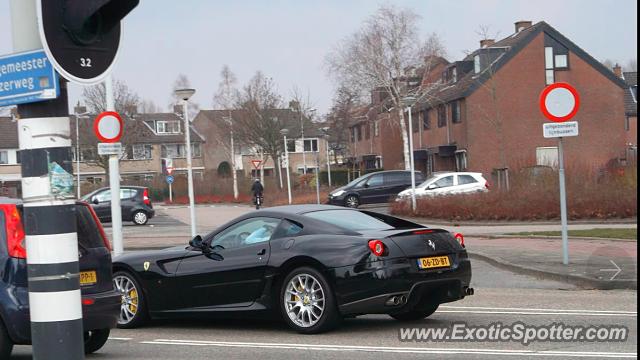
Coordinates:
559 102
108 127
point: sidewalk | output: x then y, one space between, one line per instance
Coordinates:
594 264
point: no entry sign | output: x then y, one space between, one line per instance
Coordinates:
559 102
108 127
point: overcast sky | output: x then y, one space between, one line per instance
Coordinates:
288 39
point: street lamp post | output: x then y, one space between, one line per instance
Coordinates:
304 159
284 133
409 101
184 95
325 130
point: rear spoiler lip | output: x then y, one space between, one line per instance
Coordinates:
401 232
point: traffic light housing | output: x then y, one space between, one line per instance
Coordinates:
81 37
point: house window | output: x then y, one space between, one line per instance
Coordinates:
561 62
196 151
634 93
476 64
549 76
168 127
4 157
415 122
359 132
142 152
291 145
454 74
426 121
547 156
353 134
455 112
548 65
310 145
87 153
367 131
175 151
376 128
442 116
461 160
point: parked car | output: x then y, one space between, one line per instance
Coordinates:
134 201
100 302
373 188
310 264
449 183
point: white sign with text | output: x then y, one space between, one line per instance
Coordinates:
556 130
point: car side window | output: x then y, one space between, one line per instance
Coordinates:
103 196
375 180
397 178
127 193
247 232
466 179
444 182
287 228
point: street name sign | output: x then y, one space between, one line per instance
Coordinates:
555 130
109 148
27 77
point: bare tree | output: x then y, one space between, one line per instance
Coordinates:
95 99
632 65
256 123
224 99
345 102
182 82
376 56
148 107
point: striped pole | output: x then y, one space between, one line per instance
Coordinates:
49 212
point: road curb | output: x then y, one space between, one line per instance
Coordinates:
577 280
548 237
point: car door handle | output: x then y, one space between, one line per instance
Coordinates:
262 252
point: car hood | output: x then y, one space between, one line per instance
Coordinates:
342 188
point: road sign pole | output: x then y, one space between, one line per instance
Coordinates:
563 204
114 181
49 205
170 193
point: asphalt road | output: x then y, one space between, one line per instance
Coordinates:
500 297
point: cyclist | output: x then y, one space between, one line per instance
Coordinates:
257 189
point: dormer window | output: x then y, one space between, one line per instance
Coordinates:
454 75
476 64
167 127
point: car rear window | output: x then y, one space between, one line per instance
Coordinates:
88 234
349 219
466 179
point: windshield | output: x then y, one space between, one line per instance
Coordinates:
428 181
354 182
350 219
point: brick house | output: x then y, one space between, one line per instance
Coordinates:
10 173
631 111
211 124
482 113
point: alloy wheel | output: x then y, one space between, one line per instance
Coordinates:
304 300
140 218
130 298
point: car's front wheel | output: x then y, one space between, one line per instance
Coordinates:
307 302
416 314
94 340
352 201
132 309
6 345
140 217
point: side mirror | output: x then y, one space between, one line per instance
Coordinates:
432 187
197 242
366 185
95 201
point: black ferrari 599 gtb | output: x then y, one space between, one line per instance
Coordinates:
313 264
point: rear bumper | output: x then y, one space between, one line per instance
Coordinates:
102 314
368 288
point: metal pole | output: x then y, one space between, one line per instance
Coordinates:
563 205
318 176
233 161
304 160
328 165
286 155
114 181
413 175
77 156
187 132
55 309
261 168
170 193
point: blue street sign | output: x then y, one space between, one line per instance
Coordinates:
27 77
169 179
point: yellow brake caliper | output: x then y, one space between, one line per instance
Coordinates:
133 294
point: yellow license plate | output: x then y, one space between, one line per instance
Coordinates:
88 277
434 262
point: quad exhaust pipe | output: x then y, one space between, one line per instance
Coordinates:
468 291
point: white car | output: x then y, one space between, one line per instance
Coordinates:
448 183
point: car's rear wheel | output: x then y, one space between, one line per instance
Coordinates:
6 345
133 312
416 314
140 217
307 302
352 201
94 340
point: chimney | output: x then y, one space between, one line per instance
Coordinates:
617 69
487 42
522 24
